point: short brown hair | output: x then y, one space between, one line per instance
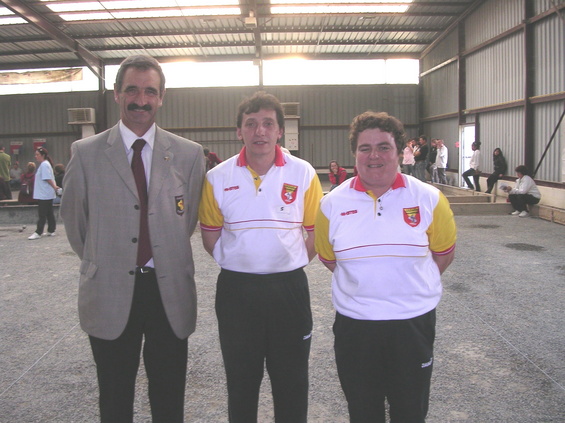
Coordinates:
377 120
260 100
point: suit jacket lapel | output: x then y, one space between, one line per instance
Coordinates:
116 155
160 165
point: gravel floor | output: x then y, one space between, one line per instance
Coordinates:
500 344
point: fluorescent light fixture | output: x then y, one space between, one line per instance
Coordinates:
338 6
105 10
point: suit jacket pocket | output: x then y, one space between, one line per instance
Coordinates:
88 269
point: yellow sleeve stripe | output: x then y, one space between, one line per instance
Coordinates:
209 212
312 199
321 238
442 233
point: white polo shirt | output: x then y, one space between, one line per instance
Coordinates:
382 248
261 218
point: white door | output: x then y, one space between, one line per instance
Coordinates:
466 138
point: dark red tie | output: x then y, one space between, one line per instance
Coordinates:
144 246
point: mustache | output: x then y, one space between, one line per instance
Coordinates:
134 106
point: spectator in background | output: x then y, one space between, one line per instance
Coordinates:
524 193
59 171
5 165
27 180
441 162
44 191
474 167
420 157
408 157
15 175
431 160
337 174
500 168
212 159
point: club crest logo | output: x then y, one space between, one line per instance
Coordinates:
412 216
288 193
179 204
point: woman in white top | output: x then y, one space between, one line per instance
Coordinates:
44 191
525 192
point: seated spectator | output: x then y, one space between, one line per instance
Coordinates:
212 159
15 174
337 174
500 167
27 180
525 192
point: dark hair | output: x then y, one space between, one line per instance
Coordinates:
140 62
523 170
330 165
425 138
376 120
59 168
43 151
499 151
477 145
206 150
260 100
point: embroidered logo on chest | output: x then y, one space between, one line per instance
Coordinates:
179 205
412 216
288 193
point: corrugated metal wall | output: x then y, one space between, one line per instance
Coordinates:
546 119
503 129
491 19
445 50
495 74
549 56
42 116
208 116
440 91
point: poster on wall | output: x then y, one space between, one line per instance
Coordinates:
16 147
38 142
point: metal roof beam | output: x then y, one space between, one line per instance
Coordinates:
93 62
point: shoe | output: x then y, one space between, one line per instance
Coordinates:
34 235
515 213
524 214
49 234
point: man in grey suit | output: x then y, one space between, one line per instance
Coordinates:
126 298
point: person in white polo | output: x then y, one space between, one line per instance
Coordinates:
387 237
254 208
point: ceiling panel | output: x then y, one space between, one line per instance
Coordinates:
51 41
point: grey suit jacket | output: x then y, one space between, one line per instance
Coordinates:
101 216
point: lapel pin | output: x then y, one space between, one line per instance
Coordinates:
166 158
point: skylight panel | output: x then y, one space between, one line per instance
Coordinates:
105 10
7 17
338 6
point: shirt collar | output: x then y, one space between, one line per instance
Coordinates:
279 157
357 185
129 137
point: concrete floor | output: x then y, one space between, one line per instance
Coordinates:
500 348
